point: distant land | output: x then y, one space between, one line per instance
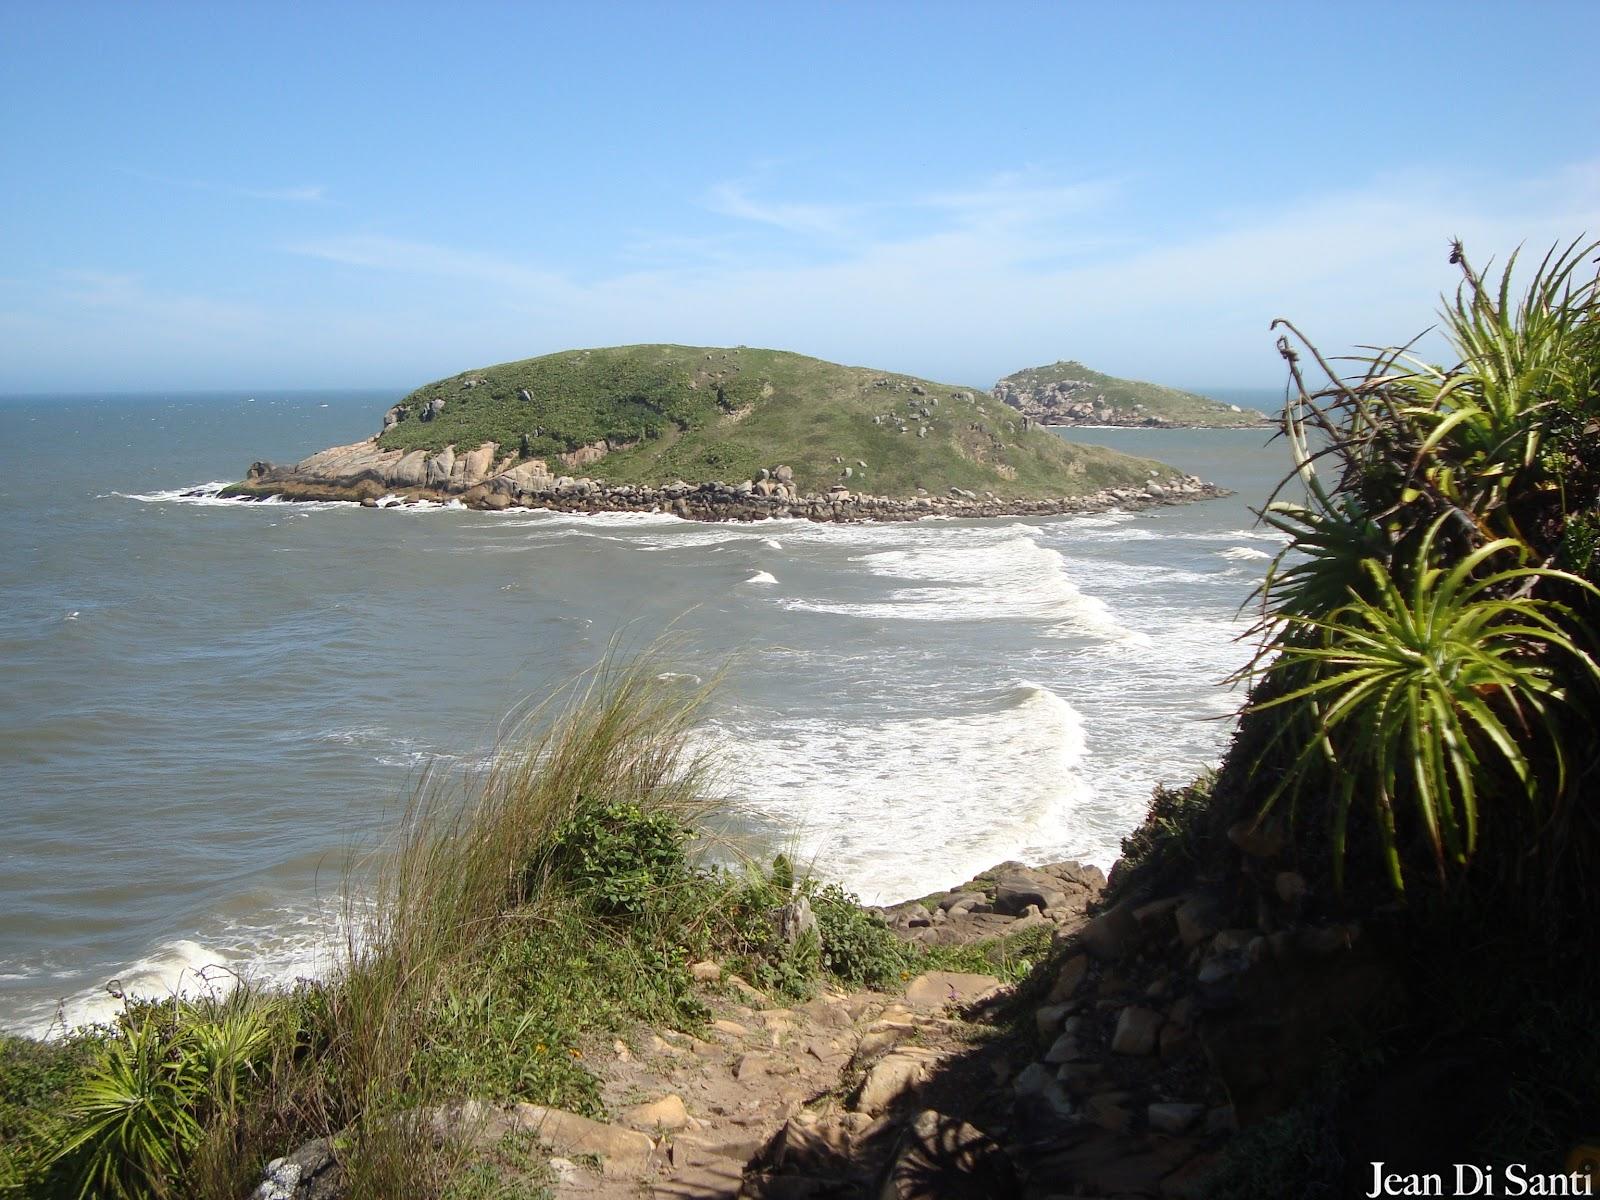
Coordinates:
715 433
1069 393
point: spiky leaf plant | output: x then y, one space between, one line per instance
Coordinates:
135 1116
1426 695
1420 649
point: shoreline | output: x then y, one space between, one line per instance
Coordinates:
718 501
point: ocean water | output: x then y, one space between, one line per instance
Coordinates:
207 705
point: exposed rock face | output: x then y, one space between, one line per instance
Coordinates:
1072 402
482 478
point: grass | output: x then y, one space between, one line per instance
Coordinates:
698 414
519 923
1078 382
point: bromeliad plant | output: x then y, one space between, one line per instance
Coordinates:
1425 631
141 1111
1424 696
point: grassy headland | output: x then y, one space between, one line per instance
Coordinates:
1069 393
706 413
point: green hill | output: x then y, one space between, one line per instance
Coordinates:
1069 393
651 414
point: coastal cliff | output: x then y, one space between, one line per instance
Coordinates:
718 434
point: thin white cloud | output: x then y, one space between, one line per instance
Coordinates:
382 253
310 193
733 199
1010 272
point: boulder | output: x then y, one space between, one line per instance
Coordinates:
439 467
1016 889
1112 934
1199 917
667 1113
473 467
410 471
1072 973
311 1172
796 920
1138 1031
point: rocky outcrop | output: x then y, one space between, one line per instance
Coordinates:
1084 402
366 473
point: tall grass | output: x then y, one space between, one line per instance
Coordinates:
473 880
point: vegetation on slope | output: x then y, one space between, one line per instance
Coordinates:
515 929
1046 391
698 414
1421 726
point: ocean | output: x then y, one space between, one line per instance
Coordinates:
208 706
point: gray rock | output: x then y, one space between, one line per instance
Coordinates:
795 920
311 1172
1016 890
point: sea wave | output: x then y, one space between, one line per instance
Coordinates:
949 793
980 574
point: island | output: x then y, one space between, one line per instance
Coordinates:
714 433
1069 393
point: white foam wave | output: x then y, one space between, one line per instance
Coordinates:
948 794
1243 553
206 495
762 577
980 574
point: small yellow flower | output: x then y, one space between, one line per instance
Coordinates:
575 1052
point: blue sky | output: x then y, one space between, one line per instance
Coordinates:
287 195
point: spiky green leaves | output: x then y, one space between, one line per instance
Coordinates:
1427 695
1417 665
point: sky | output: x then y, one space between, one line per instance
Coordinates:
240 196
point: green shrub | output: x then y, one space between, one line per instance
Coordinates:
1178 832
621 859
858 949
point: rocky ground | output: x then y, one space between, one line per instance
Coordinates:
1120 1069
366 474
